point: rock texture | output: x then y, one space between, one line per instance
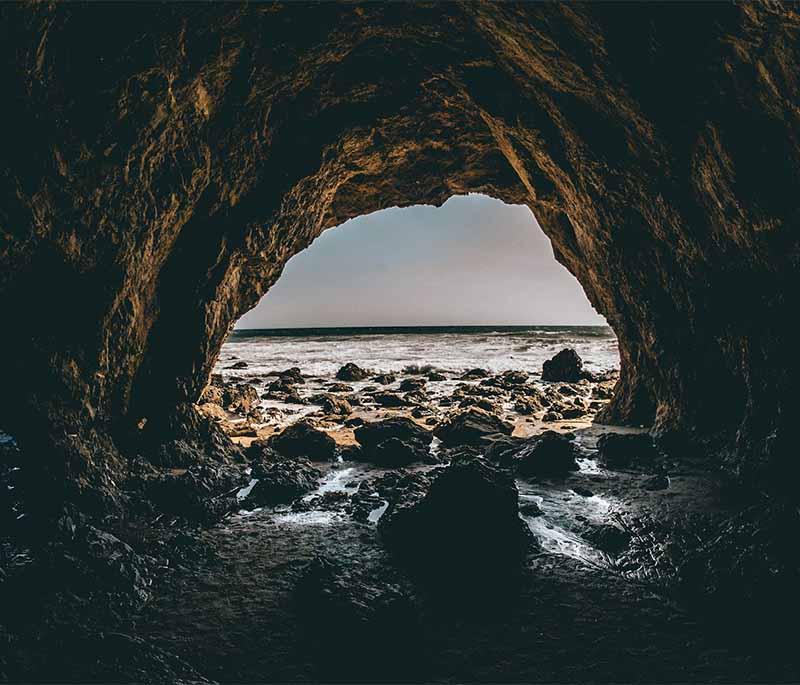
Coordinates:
162 163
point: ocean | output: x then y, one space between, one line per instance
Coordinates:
322 351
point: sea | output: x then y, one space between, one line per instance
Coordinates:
322 351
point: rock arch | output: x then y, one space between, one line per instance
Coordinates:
164 162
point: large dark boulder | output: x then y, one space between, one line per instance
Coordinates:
304 439
565 366
281 482
351 372
466 528
549 454
470 427
394 442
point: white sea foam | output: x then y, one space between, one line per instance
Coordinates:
322 355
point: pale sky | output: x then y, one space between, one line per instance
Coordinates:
473 261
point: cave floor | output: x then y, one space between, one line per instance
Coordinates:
581 613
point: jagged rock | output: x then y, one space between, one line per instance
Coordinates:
394 442
470 427
351 372
304 439
281 482
565 366
292 375
385 378
337 406
465 529
626 450
547 454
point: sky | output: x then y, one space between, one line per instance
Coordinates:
473 261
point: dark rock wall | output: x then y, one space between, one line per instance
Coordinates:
161 163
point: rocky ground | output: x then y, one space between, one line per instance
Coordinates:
424 526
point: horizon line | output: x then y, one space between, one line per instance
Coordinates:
435 325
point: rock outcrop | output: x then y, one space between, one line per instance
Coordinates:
163 163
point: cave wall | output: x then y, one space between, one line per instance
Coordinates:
161 163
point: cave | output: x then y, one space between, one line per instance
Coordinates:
163 162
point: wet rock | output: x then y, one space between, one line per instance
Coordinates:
625 450
394 452
389 399
530 508
238 365
606 537
355 421
583 492
281 482
480 402
203 493
351 372
385 378
470 427
304 439
474 374
417 397
564 366
551 416
659 482
340 387
572 412
435 376
281 385
549 454
292 375
465 529
408 384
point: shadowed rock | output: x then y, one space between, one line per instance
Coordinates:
304 439
565 366
466 528
549 454
470 427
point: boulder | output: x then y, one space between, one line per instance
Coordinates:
337 406
626 450
474 374
304 439
351 372
238 365
281 482
385 378
435 376
394 453
464 529
408 384
548 454
371 434
389 399
565 366
470 427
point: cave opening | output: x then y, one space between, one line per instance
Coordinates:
425 292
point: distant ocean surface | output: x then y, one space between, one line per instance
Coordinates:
322 351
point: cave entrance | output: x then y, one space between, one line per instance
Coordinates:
396 312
